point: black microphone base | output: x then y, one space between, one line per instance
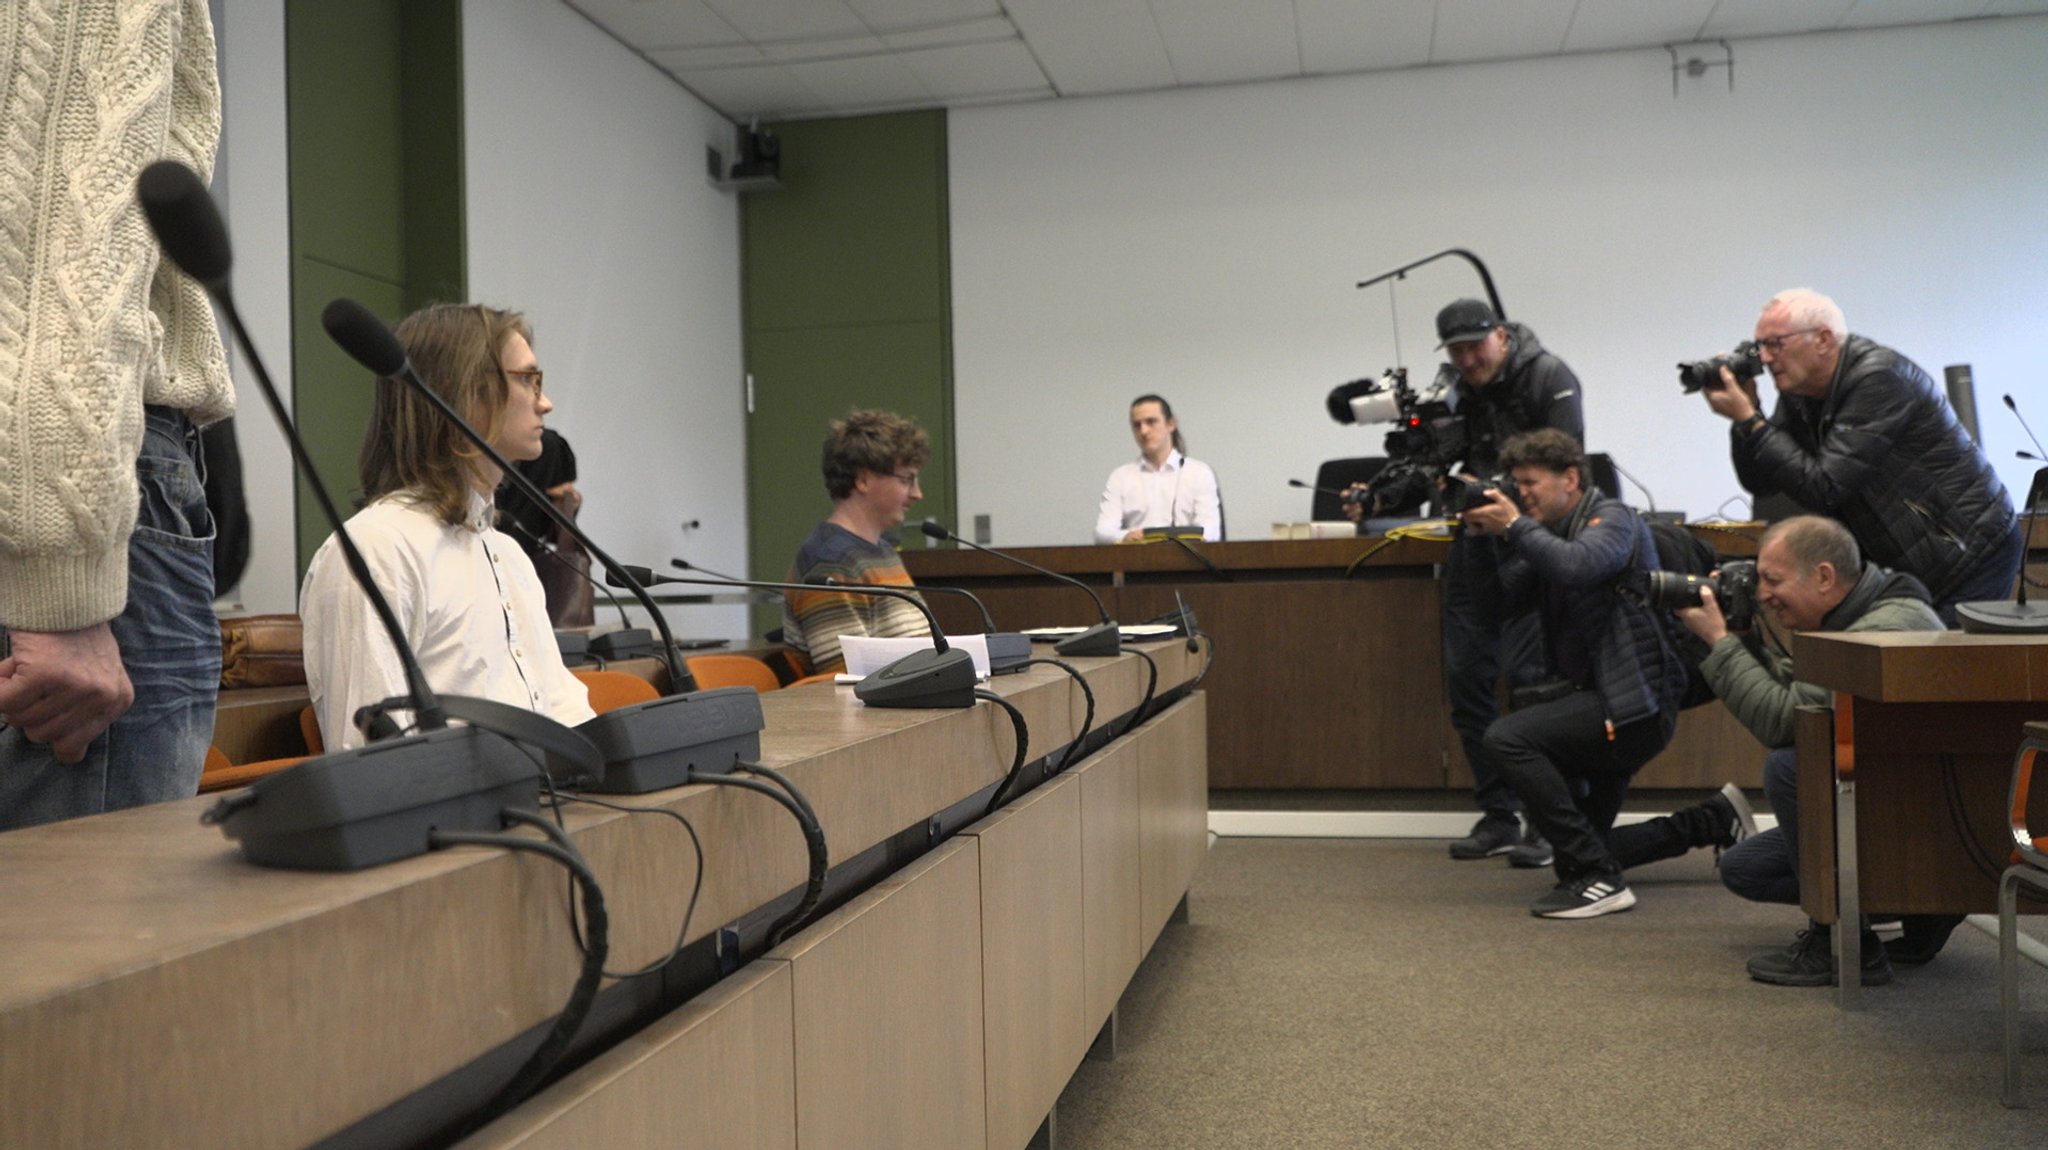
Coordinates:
574 646
2003 617
1101 639
1007 651
371 805
921 679
661 743
624 643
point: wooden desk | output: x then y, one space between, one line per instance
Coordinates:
1326 677
1902 789
157 990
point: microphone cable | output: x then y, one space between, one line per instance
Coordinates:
1221 575
1151 687
1411 531
555 553
689 908
1000 795
563 850
1087 722
814 841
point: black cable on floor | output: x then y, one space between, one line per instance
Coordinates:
814 842
1087 721
1016 764
570 1020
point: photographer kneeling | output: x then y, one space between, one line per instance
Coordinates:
1811 575
1571 746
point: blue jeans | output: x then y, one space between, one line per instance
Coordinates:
1478 639
1765 866
170 644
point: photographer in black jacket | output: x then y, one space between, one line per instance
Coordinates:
1862 434
1571 746
1507 384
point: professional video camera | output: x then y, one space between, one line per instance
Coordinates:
1734 589
1744 362
1428 439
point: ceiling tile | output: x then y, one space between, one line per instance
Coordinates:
1773 17
1499 29
768 91
978 70
884 15
691 59
825 48
1220 41
1888 13
1604 24
1348 36
861 83
764 21
1095 45
981 31
668 24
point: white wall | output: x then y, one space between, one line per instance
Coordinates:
588 209
252 184
1204 245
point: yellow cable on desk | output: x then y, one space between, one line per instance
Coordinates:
1437 531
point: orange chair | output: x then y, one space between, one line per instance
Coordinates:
820 677
309 727
732 671
610 690
221 775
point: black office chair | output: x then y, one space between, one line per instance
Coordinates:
1604 476
1336 475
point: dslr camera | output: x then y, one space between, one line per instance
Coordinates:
1745 363
1734 589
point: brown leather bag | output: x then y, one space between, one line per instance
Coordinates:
262 651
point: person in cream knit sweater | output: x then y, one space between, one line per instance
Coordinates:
110 363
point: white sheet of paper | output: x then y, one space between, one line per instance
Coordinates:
866 654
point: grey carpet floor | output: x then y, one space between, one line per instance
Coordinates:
1367 993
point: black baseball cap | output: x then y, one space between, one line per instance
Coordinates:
1463 320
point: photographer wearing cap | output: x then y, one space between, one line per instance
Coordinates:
1507 383
1812 578
1862 434
1570 747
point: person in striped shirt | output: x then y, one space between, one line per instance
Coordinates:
871 465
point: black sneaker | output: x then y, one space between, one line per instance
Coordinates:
1733 818
1587 897
1491 835
1810 961
1921 937
1532 852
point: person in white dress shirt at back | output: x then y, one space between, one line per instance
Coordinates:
464 593
1163 488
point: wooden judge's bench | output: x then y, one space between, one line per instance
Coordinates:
1329 653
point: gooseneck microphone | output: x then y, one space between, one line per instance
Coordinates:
1101 639
941 677
189 227
364 337
373 804
1313 487
2018 617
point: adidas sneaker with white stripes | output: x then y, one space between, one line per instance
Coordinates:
1588 897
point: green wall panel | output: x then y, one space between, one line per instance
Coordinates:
889 366
847 304
374 125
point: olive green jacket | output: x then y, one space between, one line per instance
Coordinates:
1764 695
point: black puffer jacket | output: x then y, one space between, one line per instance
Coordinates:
1535 390
1883 453
1576 577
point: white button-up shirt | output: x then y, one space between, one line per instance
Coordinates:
469 603
1181 493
